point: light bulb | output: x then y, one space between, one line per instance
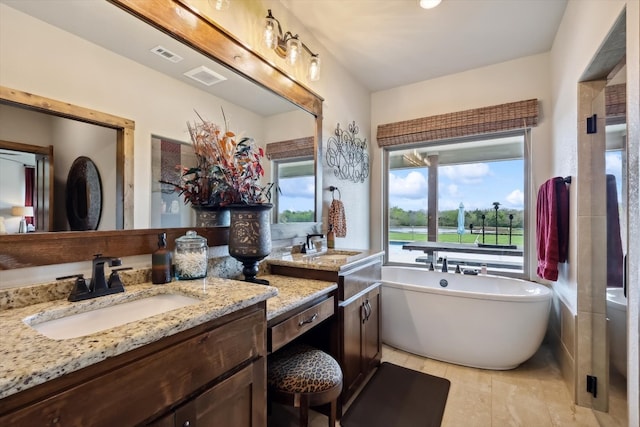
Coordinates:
270 36
293 50
314 68
219 4
429 4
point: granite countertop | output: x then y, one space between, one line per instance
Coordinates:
294 292
29 358
337 260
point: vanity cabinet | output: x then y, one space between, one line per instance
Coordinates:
228 403
360 343
358 348
361 346
212 374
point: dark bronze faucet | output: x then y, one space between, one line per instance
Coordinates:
309 236
99 285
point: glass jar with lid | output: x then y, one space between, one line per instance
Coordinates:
190 258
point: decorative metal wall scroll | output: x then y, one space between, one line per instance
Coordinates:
347 154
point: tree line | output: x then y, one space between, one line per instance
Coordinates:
399 217
295 216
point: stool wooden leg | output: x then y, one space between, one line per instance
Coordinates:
304 413
332 413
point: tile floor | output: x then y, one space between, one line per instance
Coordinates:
533 395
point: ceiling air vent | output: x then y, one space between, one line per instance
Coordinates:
205 76
166 54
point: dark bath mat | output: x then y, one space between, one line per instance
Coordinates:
398 397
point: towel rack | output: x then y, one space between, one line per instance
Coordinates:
567 180
333 189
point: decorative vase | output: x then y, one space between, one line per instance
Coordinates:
212 216
250 237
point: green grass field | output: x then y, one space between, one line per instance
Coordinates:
516 239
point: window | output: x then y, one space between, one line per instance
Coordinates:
444 198
295 202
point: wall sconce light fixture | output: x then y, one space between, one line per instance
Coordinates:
289 46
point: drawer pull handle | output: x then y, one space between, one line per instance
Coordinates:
309 320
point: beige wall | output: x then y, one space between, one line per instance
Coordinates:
516 80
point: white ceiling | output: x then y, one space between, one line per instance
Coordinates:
389 43
383 43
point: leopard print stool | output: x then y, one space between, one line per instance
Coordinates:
303 376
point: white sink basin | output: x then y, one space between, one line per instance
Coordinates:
100 319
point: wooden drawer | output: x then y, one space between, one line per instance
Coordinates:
354 282
293 327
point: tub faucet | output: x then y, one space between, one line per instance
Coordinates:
445 269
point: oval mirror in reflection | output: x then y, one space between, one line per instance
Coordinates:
83 195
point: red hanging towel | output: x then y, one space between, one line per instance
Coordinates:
552 227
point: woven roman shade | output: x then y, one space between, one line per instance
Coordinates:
292 148
615 99
497 118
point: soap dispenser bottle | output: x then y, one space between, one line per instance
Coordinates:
161 262
331 238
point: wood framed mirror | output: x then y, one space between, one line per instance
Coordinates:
186 24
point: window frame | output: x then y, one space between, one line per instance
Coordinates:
527 243
276 163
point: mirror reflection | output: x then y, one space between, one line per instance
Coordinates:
295 202
31 135
136 72
25 185
616 224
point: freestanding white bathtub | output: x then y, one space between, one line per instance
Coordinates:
617 327
487 322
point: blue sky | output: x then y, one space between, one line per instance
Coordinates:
297 194
476 185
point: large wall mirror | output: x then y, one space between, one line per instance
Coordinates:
259 99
